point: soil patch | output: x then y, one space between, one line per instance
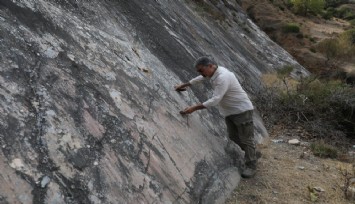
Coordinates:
286 172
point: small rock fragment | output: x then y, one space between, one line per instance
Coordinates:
277 141
294 142
301 167
305 155
96 163
319 189
45 181
17 164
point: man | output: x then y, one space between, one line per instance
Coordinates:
234 105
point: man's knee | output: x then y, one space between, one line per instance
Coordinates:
246 130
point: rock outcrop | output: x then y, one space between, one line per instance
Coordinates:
88 112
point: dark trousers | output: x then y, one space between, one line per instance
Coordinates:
241 131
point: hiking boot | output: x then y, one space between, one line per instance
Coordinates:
249 170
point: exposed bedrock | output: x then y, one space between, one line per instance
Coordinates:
88 112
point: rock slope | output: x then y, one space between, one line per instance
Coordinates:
88 112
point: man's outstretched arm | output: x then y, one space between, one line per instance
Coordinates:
182 87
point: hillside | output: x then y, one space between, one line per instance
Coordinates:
301 173
273 16
88 113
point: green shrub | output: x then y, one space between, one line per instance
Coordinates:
327 14
344 13
340 48
323 150
299 35
329 47
352 22
305 7
325 108
312 49
334 3
313 40
289 4
291 28
349 16
350 35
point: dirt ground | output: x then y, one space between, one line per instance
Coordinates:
286 172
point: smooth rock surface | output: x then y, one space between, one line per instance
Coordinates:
87 100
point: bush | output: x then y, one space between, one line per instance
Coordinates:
326 109
350 35
323 150
291 28
329 47
338 49
313 40
346 42
334 3
344 13
327 16
352 22
305 7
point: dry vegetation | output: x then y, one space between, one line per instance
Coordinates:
318 110
276 16
321 167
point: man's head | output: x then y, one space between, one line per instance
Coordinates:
205 66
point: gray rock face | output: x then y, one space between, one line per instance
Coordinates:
88 113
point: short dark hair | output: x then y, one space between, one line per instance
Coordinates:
204 61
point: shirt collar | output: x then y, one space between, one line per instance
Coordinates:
215 74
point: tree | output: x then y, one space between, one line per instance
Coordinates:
316 6
305 7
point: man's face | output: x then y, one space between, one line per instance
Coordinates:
205 70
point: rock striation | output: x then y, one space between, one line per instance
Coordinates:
88 113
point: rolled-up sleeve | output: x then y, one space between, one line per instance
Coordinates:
220 88
197 79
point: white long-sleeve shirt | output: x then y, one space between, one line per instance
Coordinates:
227 93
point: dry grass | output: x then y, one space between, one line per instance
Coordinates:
271 80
